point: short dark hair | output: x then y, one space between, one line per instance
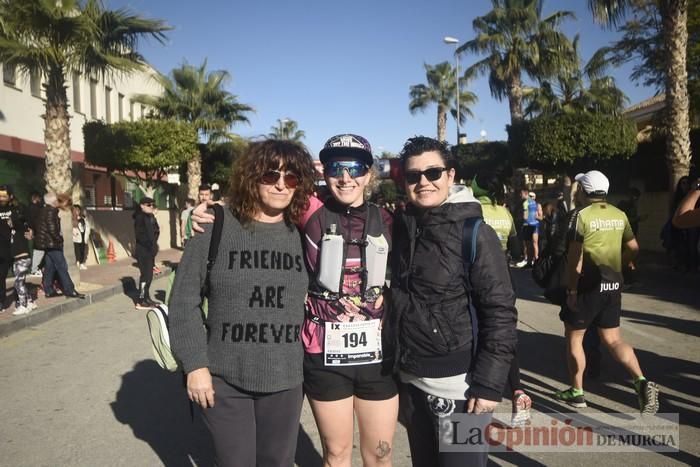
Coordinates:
204 187
492 184
190 201
419 144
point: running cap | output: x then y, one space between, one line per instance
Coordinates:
347 145
532 195
594 183
146 200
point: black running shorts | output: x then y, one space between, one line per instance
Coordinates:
372 382
601 306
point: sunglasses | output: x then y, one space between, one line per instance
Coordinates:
413 176
148 205
354 168
272 176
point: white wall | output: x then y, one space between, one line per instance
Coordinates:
21 111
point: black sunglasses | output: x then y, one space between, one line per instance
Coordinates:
272 176
413 176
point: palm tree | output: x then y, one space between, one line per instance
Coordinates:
196 95
518 40
577 90
441 90
287 129
674 16
53 38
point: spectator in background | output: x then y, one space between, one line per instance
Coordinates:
687 214
630 207
146 230
33 211
185 223
681 242
48 237
5 241
81 236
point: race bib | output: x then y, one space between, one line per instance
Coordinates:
353 343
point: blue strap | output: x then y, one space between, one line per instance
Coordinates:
469 236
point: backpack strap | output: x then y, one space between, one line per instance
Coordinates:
213 245
470 232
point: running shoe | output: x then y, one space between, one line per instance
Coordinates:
21 310
521 409
36 274
520 264
143 304
648 395
573 397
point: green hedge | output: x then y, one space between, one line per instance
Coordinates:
143 145
562 141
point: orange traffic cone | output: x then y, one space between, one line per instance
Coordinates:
111 256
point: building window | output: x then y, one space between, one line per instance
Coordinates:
121 106
131 110
35 84
77 105
89 195
108 104
9 75
93 98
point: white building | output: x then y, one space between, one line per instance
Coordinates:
22 147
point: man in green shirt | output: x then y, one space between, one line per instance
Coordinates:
600 240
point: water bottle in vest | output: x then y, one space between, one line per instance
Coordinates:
376 255
331 265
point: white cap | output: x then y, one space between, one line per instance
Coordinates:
215 187
594 182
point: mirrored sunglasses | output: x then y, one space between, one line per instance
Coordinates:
413 176
272 176
354 168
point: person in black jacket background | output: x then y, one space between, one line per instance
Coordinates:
48 237
146 230
33 211
430 315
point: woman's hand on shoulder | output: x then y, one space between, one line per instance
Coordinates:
200 389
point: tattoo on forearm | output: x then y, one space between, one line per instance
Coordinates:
383 449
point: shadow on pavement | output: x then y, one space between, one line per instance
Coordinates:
306 455
129 287
683 326
153 403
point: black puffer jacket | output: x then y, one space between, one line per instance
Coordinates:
147 231
48 230
430 313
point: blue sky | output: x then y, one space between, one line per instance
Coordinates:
343 66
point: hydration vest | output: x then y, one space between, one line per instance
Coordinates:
327 283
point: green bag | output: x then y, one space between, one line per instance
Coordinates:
157 318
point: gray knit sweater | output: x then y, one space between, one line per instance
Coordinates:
256 306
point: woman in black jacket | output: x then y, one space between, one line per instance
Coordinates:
442 370
146 230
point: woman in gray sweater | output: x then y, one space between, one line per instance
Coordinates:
244 361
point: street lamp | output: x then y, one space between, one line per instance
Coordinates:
455 41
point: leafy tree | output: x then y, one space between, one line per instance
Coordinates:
195 95
517 40
52 38
672 17
218 160
472 158
561 140
287 129
441 90
143 150
579 89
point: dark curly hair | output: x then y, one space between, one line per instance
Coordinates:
419 144
260 157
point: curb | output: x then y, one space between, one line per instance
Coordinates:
48 313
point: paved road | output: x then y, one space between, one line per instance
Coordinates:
82 390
